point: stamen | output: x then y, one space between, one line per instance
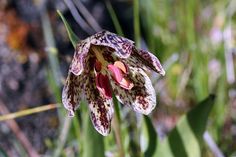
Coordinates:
98 54
126 84
116 72
118 76
121 66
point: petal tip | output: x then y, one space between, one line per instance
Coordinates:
71 113
146 111
101 130
162 72
105 133
76 72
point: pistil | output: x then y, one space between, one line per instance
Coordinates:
100 58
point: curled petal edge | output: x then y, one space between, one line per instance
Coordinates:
150 60
121 45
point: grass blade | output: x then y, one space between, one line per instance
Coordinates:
114 18
73 38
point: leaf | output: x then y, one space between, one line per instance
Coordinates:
152 137
73 38
185 139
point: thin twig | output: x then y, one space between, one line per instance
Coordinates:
19 134
90 19
28 112
212 145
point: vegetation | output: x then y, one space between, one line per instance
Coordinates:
195 114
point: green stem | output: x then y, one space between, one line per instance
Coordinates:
134 133
137 33
117 129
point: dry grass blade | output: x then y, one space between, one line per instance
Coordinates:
8 116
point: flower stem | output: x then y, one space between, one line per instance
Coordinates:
117 129
136 23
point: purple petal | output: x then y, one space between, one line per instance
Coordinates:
141 97
71 94
101 108
80 57
122 46
150 60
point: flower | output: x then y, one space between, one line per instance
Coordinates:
106 63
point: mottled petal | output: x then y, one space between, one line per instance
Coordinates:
72 92
101 108
150 60
122 46
141 97
80 57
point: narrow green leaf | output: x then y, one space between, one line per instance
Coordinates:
73 38
137 34
152 137
117 109
76 125
114 18
185 139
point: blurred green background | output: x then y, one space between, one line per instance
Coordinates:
194 40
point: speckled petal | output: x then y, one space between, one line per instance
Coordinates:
72 92
149 60
80 57
101 108
141 97
122 46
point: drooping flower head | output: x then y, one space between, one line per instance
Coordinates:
106 63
